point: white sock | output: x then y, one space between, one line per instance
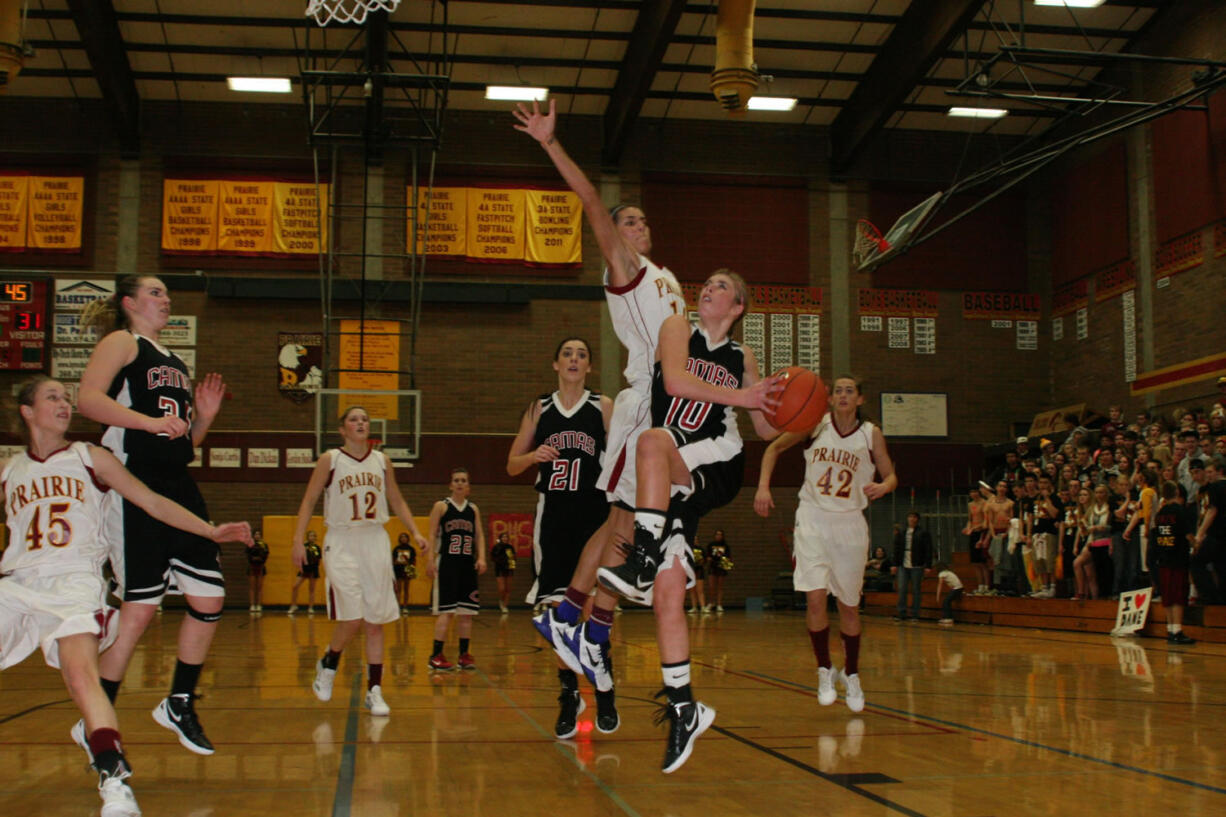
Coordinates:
651 520
676 675
1174 628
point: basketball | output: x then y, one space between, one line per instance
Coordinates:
802 401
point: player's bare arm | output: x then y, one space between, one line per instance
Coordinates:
674 351
395 501
622 260
523 456
885 468
436 516
112 353
480 539
763 503
315 487
112 472
606 411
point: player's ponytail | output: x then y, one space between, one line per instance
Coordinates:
106 315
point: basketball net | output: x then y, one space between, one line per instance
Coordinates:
346 11
868 242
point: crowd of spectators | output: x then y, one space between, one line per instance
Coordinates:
1070 515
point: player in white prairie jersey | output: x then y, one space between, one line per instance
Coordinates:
52 594
640 296
830 542
360 485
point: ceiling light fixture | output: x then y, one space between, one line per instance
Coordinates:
1073 4
771 103
263 85
515 93
978 113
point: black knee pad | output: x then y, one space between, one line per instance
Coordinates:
206 617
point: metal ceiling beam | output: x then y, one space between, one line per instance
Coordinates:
653 30
103 43
921 36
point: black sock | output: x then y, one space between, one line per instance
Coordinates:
331 660
569 680
463 646
112 763
438 648
185 678
111 688
374 675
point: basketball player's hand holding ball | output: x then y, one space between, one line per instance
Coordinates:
763 503
545 453
233 532
762 396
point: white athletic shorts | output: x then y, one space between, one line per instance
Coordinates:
831 550
37 611
631 416
1040 544
360 582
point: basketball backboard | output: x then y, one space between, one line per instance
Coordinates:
897 238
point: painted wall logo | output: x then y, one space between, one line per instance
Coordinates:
299 357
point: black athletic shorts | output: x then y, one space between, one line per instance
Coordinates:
455 587
158 559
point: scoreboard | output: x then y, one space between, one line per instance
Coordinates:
25 321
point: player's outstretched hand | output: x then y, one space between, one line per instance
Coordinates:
536 124
297 555
233 532
210 391
545 453
763 395
763 504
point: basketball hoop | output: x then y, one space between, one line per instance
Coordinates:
346 11
869 242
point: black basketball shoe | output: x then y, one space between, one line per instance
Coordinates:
570 704
686 722
635 577
607 719
177 714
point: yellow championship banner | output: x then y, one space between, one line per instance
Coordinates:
555 227
495 224
189 215
56 207
14 193
447 224
246 217
374 345
296 213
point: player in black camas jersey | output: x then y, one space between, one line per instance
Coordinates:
142 393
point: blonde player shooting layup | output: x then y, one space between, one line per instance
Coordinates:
359 485
640 296
52 594
831 540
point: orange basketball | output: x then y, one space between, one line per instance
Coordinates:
802 401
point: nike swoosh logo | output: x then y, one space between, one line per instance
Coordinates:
170 713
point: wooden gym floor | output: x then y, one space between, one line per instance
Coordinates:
974 720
